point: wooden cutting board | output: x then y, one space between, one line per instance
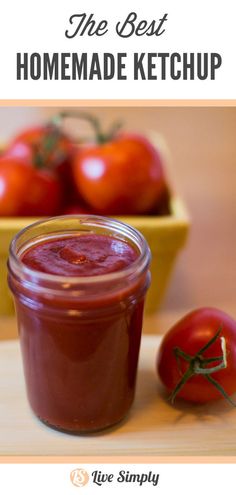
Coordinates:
153 427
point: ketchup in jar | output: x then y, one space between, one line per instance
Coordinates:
79 284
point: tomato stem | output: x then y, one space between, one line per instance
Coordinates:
48 145
220 389
100 136
211 341
179 353
197 366
187 375
213 359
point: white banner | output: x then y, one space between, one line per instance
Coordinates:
117 50
67 479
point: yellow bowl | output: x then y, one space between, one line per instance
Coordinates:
165 235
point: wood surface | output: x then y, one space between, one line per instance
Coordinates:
153 427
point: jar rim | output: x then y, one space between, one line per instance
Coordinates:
17 266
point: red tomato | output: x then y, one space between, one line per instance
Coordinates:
190 334
49 148
44 195
15 176
77 210
122 176
49 142
20 151
25 190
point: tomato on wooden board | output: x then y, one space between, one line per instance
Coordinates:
191 334
121 176
27 191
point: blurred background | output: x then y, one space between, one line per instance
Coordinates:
201 143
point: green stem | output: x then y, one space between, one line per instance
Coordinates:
179 353
213 359
211 341
187 375
48 145
197 366
100 136
207 371
220 389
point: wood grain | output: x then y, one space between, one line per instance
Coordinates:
153 427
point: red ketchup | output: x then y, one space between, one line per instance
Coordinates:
79 284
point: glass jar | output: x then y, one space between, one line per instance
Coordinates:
79 336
